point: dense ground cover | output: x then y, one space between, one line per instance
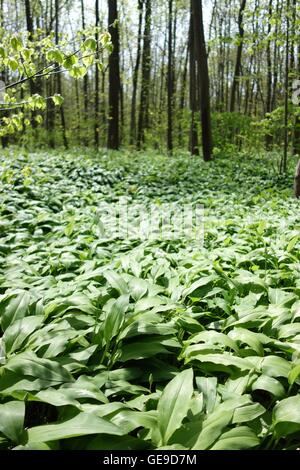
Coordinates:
123 344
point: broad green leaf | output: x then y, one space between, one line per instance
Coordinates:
214 337
212 428
225 359
292 243
286 416
248 337
115 317
81 425
294 374
276 367
239 438
28 364
208 386
13 307
147 303
174 404
199 287
116 281
269 384
141 350
16 333
12 419
248 413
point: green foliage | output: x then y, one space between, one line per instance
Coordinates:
129 344
234 130
31 58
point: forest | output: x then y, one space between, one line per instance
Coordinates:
149 225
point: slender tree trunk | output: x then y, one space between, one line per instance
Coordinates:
96 98
283 164
193 142
295 66
50 113
275 58
269 79
85 84
297 120
58 78
201 56
170 80
135 76
238 62
4 139
30 30
114 77
161 106
182 96
146 74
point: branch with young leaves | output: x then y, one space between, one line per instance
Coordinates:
27 60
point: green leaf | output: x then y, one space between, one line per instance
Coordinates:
55 55
78 71
292 243
269 384
141 350
81 425
90 43
225 359
13 307
12 420
16 334
212 428
208 386
216 422
16 43
115 317
248 413
13 64
286 416
57 100
199 287
116 281
294 374
70 61
248 337
28 364
239 438
274 366
174 404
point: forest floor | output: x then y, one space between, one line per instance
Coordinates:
123 343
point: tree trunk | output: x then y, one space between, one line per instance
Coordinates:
170 79
30 30
135 76
296 142
201 56
297 180
146 73
269 79
183 96
4 139
193 142
283 164
114 77
85 84
296 149
96 102
237 71
58 78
